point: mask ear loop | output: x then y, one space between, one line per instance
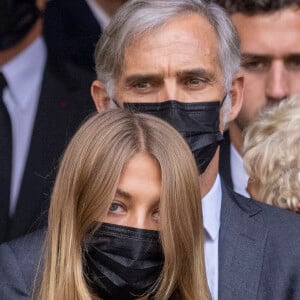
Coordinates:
222 101
116 103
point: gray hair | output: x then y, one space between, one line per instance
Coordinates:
138 17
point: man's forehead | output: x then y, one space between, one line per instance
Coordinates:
277 33
183 27
186 44
276 21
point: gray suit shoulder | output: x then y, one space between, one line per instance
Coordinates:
260 250
19 262
282 224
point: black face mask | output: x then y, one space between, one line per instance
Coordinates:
197 122
123 262
16 19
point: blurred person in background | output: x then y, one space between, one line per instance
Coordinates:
271 155
72 28
42 102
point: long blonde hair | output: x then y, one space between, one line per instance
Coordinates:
86 183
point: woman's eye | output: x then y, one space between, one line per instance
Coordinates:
116 208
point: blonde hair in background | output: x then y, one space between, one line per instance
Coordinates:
85 186
272 154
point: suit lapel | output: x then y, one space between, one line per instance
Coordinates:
241 247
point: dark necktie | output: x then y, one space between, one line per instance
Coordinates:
5 162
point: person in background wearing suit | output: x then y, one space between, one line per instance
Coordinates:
271 155
125 184
72 28
269 33
182 65
42 102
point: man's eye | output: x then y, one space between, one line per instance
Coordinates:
293 63
194 81
142 85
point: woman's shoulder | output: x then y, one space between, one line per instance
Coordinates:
19 262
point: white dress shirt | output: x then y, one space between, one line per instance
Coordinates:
24 75
211 207
238 173
99 14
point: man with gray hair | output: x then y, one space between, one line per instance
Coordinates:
179 60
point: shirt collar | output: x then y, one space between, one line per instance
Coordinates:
25 71
238 173
211 208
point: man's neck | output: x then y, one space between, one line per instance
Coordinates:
236 137
35 31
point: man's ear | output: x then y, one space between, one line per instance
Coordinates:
236 93
99 95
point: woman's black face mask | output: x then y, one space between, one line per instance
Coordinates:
123 263
198 123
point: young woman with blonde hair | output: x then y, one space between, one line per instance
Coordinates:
125 220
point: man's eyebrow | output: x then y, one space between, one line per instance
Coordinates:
251 56
267 56
123 194
292 56
248 58
199 72
142 77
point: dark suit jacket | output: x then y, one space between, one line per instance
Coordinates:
259 254
64 102
224 161
71 31
19 266
259 250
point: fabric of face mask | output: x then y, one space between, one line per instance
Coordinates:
122 262
197 122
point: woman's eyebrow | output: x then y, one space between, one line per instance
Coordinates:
123 194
